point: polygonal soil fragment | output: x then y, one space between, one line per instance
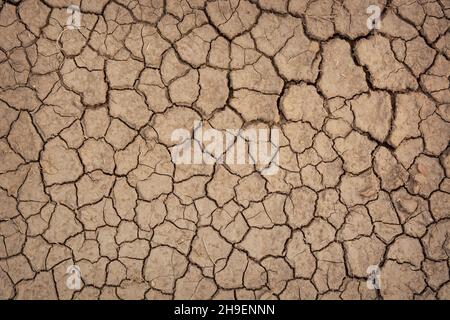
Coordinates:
304 103
359 189
262 242
373 114
411 109
340 76
385 71
24 138
130 107
351 16
163 267
59 163
299 58
411 282
231 17
253 105
425 176
356 150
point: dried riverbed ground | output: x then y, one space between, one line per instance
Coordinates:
86 176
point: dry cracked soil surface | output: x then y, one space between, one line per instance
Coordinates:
87 179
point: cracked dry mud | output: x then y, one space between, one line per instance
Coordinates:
86 176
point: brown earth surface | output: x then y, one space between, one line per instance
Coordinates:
86 176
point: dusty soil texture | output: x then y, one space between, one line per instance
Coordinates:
86 176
